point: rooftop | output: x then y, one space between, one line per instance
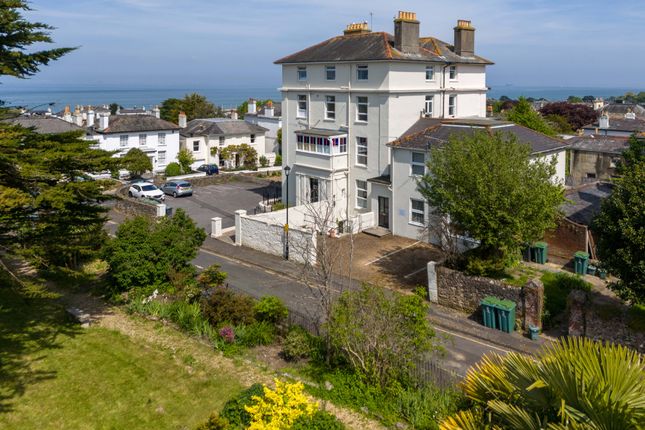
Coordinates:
134 123
623 108
220 126
432 132
321 132
583 203
45 124
601 144
620 124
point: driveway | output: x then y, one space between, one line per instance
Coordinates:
220 200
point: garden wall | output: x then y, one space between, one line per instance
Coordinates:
567 238
460 291
135 207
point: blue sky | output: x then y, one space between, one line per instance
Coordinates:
223 43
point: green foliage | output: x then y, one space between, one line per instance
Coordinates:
485 265
271 309
264 161
559 123
574 383
221 305
234 412
136 162
633 155
18 35
557 287
620 231
185 159
254 334
173 169
277 206
636 318
576 116
492 189
296 345
244 107
380 335
114 108
523 114
212 277
574 99
193 105
320 420
248 154
45 206
214 422
145 253
278 160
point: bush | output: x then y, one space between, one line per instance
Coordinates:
636 318
173 169
271 309
277 206
264 161
296 345
257 333
214 422
223 305
320 420
234 411
279 408
227 334
212 277
278 160
557 287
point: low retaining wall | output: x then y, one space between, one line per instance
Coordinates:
456 290
134 207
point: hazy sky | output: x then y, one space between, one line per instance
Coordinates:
224 43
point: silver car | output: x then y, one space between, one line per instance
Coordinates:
177 188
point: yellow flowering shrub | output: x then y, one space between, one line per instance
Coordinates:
279 408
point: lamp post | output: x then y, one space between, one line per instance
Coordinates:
287 170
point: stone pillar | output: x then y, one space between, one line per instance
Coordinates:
532 303
433 294
161 209
238 226
216 226
576 302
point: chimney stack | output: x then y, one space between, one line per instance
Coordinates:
406 33
252 109
156 112
603 122
67 115
90 118
357 28
268 109
104 122
181 119
464 39
234 115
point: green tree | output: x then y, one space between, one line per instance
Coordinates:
523 114
575 383
279 140
170 108
136 162
193 105
574 99
17 35
146 254
185 159
380 334
114 108
243 109
492 189
633 155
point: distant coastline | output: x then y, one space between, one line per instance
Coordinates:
231 97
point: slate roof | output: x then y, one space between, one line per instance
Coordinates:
623 108
628 125
46 125
220 126
377 46
600 144
431 132
134 123
583 203
383 180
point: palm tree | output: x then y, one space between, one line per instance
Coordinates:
575 383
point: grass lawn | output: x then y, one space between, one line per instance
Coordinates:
55 375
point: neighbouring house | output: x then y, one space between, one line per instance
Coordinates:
205 138
607 126
594 158
268 116
46 124
623 110
346 98
409 214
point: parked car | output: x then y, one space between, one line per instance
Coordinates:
177 188
146 189
209 169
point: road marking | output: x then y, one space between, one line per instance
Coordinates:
414 273
198 266
392 253
470 339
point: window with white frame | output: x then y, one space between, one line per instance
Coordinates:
427 110
361 151
330 107
253 138
452 73
222 140
429 73
361 108
302 106
330 73
321 145
302 73
418 164
417 211
452 105
195 145
142 139
162 139
362 73
123 140
361 194
161 157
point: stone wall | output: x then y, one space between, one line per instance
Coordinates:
134 207
224 178
460 291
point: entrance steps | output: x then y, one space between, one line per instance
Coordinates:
377 231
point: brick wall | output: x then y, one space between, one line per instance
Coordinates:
567 238
459 291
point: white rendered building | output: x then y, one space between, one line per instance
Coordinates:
268 116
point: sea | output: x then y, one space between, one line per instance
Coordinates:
42 97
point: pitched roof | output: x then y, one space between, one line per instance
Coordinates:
433 132
377 46
623 108
134 123
220 126
583 203
628 125
46 125
600 144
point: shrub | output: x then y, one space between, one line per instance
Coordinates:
173 169
636 318
214 422
278 160
264 161
320 420
277 206
271 309
557 287
227 334
296 345
234 410
223 305
257 333
212 277
279 408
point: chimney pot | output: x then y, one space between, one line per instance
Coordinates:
603 122
357 28
464 39
406 32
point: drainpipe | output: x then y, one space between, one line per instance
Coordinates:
349 145
443 90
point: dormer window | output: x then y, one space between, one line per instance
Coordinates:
362 73
302 73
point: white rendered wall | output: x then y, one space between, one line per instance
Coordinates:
112 142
